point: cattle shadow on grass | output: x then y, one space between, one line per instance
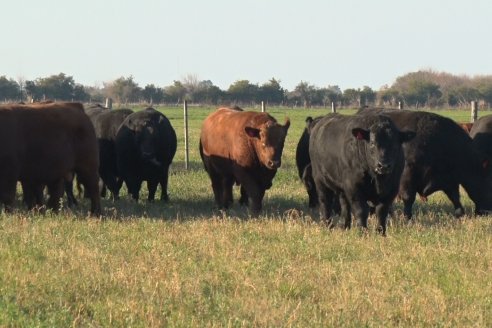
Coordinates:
277 207
200 208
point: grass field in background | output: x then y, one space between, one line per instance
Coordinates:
186 263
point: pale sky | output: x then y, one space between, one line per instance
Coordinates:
350 43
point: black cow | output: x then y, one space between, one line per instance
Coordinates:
145 147
441 157
303 162
358 159
106 123
481 132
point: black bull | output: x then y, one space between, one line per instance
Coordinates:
145 147
358 159
441 157
106 124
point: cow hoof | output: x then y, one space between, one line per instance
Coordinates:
459 212
328 223
381 231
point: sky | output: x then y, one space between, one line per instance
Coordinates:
349 43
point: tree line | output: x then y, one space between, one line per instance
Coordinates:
421 89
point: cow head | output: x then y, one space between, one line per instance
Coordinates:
268 139
146 141
383 144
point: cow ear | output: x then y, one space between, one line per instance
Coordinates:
360 134
252 132
287 124
406 136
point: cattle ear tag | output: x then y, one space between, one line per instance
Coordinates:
485 163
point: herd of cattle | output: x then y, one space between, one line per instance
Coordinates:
47 144
350 165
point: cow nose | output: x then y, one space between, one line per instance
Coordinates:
274 164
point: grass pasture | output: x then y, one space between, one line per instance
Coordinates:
187 264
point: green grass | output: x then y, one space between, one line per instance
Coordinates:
186 263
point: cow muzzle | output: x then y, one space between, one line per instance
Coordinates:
150 158
273 164
383 168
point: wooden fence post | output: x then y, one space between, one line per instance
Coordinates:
474 111
185 109
109 103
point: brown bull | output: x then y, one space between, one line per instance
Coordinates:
241 147
43 145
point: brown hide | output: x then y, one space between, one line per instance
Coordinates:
243 147
223 134
43 144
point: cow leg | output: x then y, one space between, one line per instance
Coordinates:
116 192
307 178
90 181
217 189
255 195
71 200
345 212
29 195
8 195
361 211
227 184
407 193
325 199
103 188
163 183
152 188
8 185
55 190
255 204
113 183
382 211
133 185
453 194
244 197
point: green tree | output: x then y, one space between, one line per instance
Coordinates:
242 91
58 87
351 97
367 96
422 93
9 89
389 96
176 92
484 89
123 90
304 93
207 92
330 94
32 90
271 92
153 94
